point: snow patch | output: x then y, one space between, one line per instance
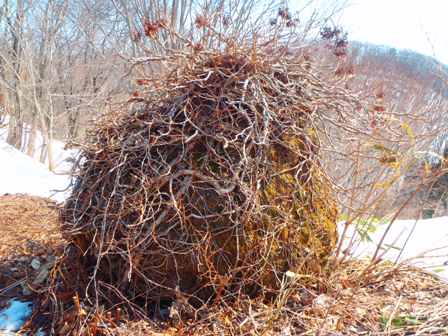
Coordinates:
20 173
62 158
14 316
423 243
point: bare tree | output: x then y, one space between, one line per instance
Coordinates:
59 59
16 116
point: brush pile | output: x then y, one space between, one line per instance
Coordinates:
205 187
213 184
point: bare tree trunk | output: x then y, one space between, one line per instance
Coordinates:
31 145
15 129
43 152
49 137
73 124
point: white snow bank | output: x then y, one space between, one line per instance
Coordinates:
61 156
13 317
423 243
20 173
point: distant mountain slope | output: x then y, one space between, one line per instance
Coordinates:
409 69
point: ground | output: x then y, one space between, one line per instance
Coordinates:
29 240
356 299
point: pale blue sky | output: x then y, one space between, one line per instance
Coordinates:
421 25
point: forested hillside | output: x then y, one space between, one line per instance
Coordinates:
414 69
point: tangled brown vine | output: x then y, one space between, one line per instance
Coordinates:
205 187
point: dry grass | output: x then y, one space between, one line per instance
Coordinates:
27 221
356 299
29 229
390 300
